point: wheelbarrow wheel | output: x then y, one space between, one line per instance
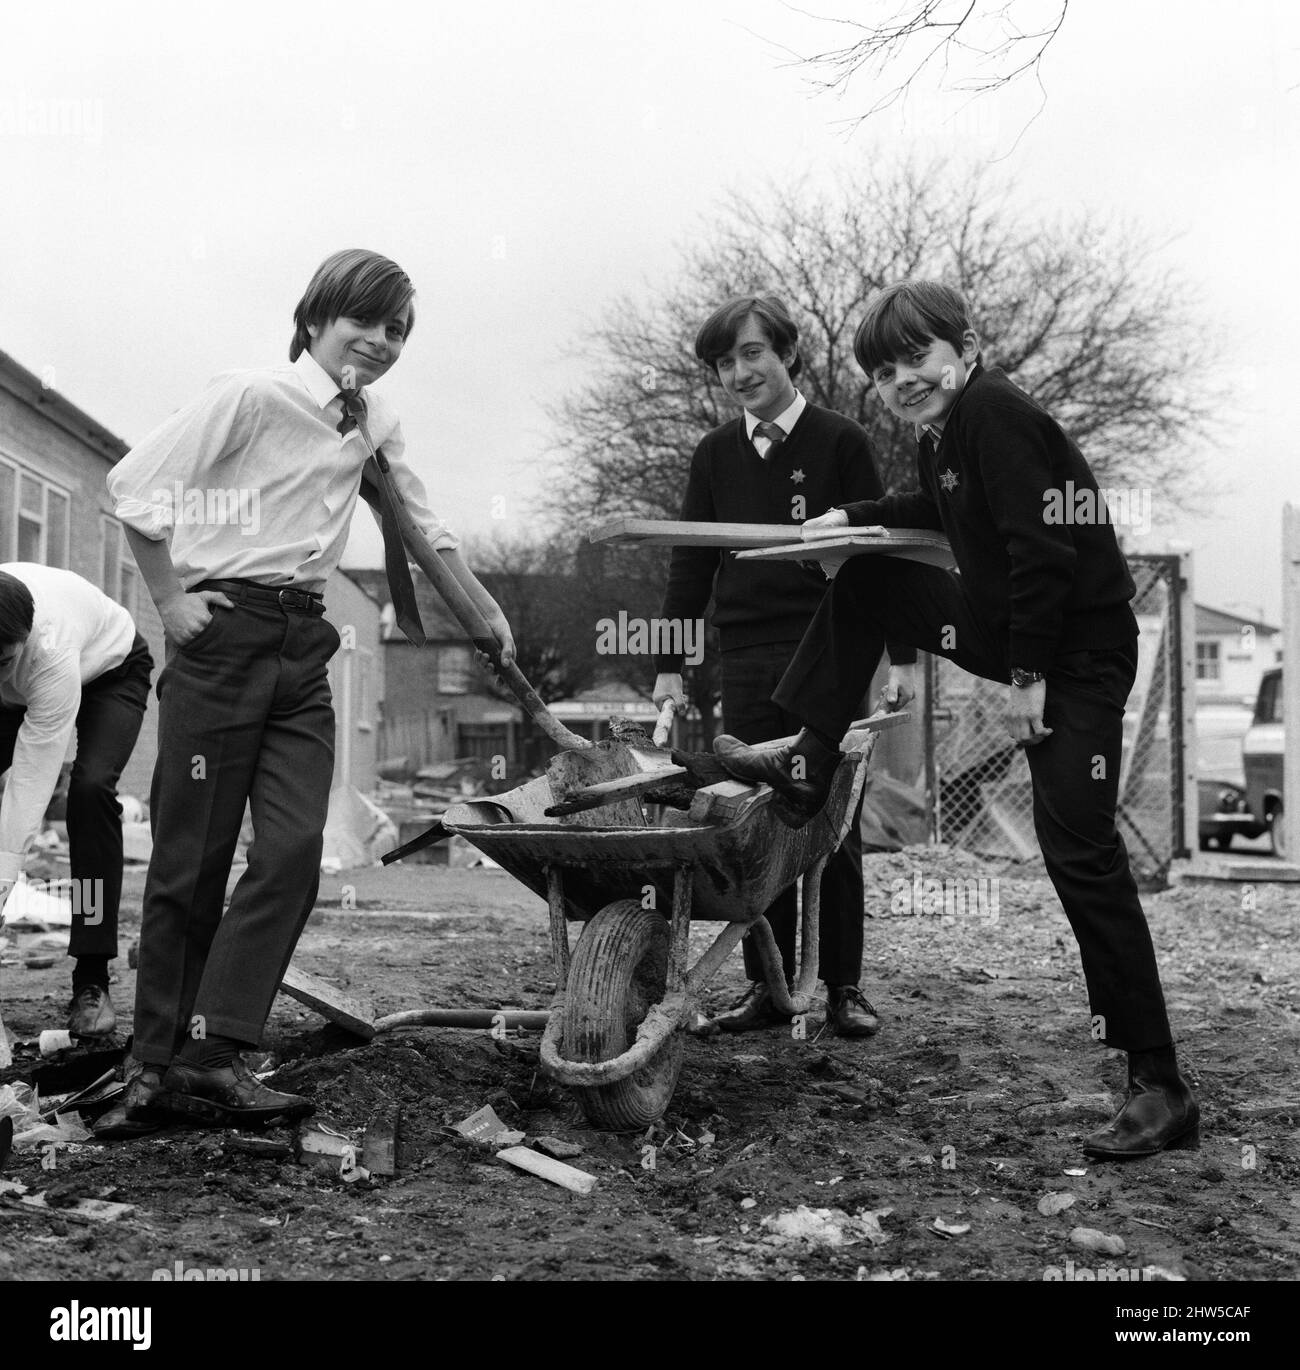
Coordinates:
619 969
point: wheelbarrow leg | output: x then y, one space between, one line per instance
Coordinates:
679 929
800 1000
559 927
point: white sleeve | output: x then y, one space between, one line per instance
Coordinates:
53 699
412 489
183 448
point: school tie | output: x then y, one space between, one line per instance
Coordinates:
400 585
774 434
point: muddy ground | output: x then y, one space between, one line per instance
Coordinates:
967 1108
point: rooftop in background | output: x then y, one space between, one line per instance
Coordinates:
28 387
1221 621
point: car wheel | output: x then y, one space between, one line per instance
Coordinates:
1276 838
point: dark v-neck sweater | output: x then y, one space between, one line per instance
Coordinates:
825 460
995 483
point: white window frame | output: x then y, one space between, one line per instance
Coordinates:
9 536
113 532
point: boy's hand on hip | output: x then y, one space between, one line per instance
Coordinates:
1024 714
185 616
6 889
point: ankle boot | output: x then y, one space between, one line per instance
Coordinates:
1160 1111
800 773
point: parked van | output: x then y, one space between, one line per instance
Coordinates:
1261 755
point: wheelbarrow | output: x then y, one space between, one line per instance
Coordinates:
625 993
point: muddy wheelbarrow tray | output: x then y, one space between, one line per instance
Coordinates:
625 992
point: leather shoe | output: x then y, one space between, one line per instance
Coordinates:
1160 1112
91 1013
849 1013
800 774
754 1009
229 1096
139 1111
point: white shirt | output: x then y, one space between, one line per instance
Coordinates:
785 420
78 634
254 480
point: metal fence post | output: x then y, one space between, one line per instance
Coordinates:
1291 680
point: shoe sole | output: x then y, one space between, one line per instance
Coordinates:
1190 1140
218 1115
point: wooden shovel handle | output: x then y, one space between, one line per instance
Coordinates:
467 614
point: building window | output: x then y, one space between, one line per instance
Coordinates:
484 740
118 576
33 518
1207 660
454 668
365 714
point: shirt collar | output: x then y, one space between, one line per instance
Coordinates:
319 383
785 420
936 434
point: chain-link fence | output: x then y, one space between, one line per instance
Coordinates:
982 796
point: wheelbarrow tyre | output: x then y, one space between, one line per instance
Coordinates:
619 969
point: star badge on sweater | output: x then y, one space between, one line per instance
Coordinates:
797 477
947 478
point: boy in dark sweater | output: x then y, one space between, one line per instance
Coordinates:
1039 604
781 461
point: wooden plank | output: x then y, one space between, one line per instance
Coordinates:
611 791
779 541
910 544
639 532
379 1146
357 1015
727 800
547 1168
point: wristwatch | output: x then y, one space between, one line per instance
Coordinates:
1022 680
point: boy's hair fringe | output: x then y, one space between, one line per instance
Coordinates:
355 283
717 336
17 609
906 317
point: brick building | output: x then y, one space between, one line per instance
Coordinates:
55 509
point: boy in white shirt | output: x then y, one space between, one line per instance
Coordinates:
71 662
237 509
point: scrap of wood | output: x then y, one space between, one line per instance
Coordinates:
379 1146
612 791
638 532
94 1210
911 544
727 800
348 1011
546 1168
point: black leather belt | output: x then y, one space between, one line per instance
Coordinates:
297 601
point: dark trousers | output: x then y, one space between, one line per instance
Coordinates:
108 724
749 676
1075 772
245 716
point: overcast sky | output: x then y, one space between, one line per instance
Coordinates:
525 162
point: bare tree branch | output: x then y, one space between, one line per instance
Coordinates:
971 45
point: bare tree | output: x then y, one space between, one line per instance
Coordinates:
1076 311
971 45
